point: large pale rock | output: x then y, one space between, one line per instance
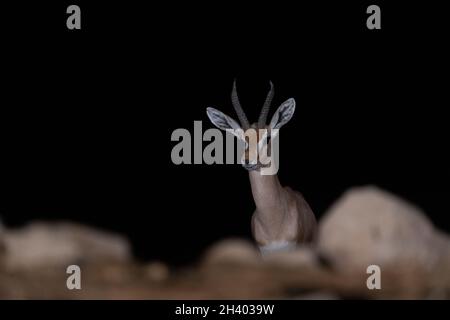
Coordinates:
370 226
42 244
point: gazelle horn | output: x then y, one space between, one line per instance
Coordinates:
265 109
237 106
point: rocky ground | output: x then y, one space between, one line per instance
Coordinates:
365 226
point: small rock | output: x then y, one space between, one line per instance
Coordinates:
157 271
234 251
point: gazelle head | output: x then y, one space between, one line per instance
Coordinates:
257 137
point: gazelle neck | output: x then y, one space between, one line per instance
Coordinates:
266 190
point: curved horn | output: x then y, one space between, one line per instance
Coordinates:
238 108
265 109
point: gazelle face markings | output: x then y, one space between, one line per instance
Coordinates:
257 148
258 137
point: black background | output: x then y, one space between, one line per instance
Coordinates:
87 115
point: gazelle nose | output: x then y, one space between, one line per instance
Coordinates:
250 167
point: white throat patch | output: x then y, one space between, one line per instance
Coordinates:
277 246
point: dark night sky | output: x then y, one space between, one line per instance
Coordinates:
86 117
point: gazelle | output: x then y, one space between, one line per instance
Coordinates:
283 218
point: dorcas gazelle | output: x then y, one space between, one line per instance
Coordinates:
283 218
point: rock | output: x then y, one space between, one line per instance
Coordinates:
157 271
439 281
42 244
232 251
371 226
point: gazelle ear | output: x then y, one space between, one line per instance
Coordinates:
221 120
224 122
283 114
